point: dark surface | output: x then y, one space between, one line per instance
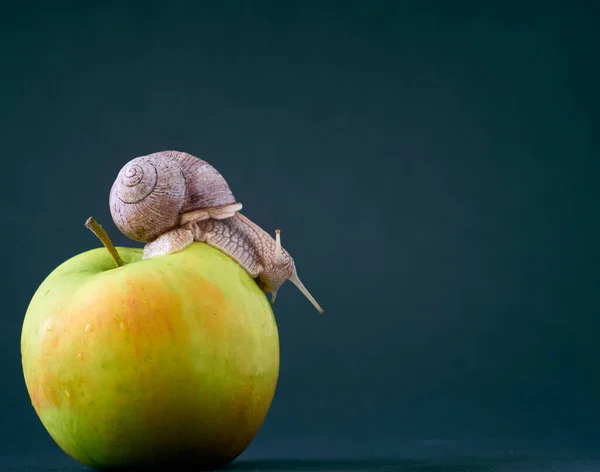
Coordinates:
433 169
393 456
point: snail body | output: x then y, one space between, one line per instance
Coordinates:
170 199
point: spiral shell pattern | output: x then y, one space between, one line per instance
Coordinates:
137 181
151 192
147 197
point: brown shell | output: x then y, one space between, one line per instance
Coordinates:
206 187
151 192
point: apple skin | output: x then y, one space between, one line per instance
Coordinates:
171 359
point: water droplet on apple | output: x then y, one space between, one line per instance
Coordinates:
67 393
49 327
88 328
122 326
80 356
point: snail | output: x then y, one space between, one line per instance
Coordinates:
170 199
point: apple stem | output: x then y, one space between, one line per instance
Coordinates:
102 235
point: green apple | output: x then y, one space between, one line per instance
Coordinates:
174 358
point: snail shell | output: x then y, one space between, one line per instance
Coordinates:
160 191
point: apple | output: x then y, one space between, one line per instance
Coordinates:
132 361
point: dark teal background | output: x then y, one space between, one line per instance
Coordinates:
433 167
